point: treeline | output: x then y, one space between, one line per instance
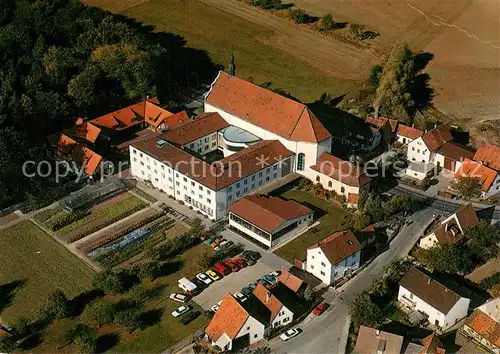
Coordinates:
60 59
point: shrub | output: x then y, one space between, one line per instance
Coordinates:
58 305
110 282
267 4
128 319
327 22
84 339
299 16
98 313
490 282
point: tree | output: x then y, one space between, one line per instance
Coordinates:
393 96
83 338
203 260
299 15
7 344
327 22
357 30
482 241
364 312
110 282
58 305
267 4
98 313
467 187
375 73
128 319
149 270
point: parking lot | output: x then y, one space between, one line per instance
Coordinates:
232 283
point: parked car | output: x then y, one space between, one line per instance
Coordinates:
247 291
254 255
179 297
270 279
188 286
199 284
231 265
189 317
275 274
205 236
204 278
221 246
209 314
247 260
209 240
222 269
240 262
320 309
241 297
181 311
213 244
216 306
212 275
265 283
229 244
290 334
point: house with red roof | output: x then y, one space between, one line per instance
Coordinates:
334 257
483 326
406 134
342 177
270 116
81 158
267 219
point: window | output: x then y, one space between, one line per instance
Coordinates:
260 174
253 178
255 336
248 328
267 170
200 196
170 179
342 190
156 172
275 167
213 144
177 184
238 185
245 181
317 178
191 145
134 151
208 200
229 198
201 188
300 162
148 167
162 167
135 159
142 163
185 179
192 183
162 175
245 190
154 162
253 186
208 192
411 295
323 264
140 154
312 267
238 193
413 148
275 175
322 273
418 150
267 178
329 183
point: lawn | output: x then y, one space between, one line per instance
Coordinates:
222 34
40 265
163 330
334 219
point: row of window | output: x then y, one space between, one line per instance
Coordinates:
330 184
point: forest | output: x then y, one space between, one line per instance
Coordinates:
60 60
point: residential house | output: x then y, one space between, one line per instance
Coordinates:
267 219
489 156
279 313
436 147
429 345
341 176
451 229
406 134
291 281
81 158
386 126
488 177
442 306
484 325
236 324
334 257
374 341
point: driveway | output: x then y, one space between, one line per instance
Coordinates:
231 283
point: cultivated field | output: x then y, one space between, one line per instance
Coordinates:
463 35
40 266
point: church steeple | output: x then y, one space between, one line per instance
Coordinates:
232 67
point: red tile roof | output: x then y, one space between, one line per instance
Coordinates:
371 341
429 290
249 161
155 115
455 151
87 130
268 213
229 319
475 169
436 137
289 280
338 246
432 345
485 326
353 198
489 155
195 129
340 170
269 300
261 107
409 132
376 122
90 159
449 233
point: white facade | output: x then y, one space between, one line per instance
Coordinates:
488 312
419 152
262 236
203 145
284 317
318 264
252 328
435 317
200 197
340 188
311 151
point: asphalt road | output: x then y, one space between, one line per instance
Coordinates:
328 332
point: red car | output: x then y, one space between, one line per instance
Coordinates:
240 262
221 269
231 265
320 309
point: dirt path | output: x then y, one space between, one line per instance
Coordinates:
335 58
489 268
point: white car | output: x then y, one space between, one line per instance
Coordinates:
290 334
240 296
216 307
181 311
204 278
275 274
179 297
221 246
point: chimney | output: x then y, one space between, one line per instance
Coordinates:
232 67
268 297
